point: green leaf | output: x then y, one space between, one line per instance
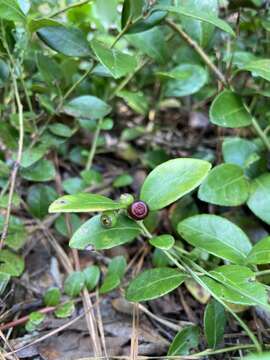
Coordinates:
236 284
154 283
117 266
264 356
216 235
225 185
237 151
10 10
39 197
10 263
4 72
151 43
25 5
111 282
228 110
198 15
74 283
49 69
73 185
214 323
87 107
259 68
4 279
117 63
123 180
93 233
132 10
36 24
171 180
147 23
163 242
185 79
17 234
41 171
185 340
84 202
259 200
65 310
136 101
31 156
91 277
61 225
201 31
260 253
35 319
61 130
52 297
68 41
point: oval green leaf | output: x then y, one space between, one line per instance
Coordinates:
216 235
260 253
163 242
68 41
214 323
10 10
117 63
154 283
228 110
74 283
92 233
84 202
91 277
259 68
87 107
259 200
184 341
172 180
225 185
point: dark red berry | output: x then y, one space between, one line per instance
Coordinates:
138 210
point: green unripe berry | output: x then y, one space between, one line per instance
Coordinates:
108 219
126 199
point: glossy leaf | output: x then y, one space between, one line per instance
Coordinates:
91 277
260 253
163 242
17 234
35 319
74 283
87 107
225 185
36 24
84 202
201 31
216 235
228 110
111 282
198 15
154 283
65 310
11 263
237 285
184 341
4 72
214 323
41 171
93 233
135 100
39 197
61 224
68 41
132 10
264 356
151 43
260 68
118 266
10 10
172 180
52 297
116 62
185 79
4 279
259 200
31 156
147 23
238 151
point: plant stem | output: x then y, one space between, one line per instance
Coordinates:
72 6
193 44
263 272
94 146
121 33
261 133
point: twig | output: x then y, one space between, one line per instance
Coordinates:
193 44
69 7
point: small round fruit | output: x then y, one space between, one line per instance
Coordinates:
108 219
138 210
126 199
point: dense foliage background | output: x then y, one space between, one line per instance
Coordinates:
106 102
